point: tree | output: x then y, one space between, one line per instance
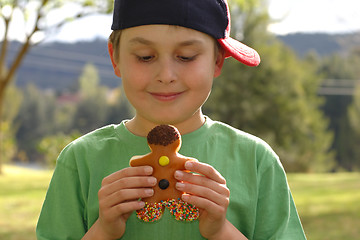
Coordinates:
46 118
13 100
353 156
35 119
92 109
89 81
337 107
350 140
119 107
276 101
34 14
51 146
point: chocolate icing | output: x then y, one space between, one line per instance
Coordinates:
163 135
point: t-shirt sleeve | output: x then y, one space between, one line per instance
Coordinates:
62 215
276 215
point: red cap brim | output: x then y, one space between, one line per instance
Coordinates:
240 51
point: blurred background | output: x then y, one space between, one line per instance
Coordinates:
57 83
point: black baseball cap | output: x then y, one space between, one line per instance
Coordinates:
208 16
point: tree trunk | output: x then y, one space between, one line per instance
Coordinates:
2 97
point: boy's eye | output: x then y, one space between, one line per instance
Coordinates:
145 58
186 59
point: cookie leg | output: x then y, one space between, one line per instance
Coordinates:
182 211
151 212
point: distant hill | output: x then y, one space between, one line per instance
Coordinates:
322 44
59 65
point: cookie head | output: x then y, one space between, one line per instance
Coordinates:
164 136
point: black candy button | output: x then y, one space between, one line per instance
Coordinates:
163 184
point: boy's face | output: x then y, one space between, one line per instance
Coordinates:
167 72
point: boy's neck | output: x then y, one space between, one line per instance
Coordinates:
140 126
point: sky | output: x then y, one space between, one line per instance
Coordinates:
329 16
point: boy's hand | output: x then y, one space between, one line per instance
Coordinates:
118 198
209 193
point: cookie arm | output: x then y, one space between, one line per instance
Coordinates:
139 160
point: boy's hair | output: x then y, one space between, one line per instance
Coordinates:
114 39
208 16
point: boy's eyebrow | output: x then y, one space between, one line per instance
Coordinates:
140 40
191 42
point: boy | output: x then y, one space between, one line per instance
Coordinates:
167 53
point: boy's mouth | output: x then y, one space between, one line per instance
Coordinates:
166 96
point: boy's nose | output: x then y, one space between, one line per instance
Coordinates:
166 73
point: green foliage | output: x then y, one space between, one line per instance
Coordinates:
91 112
245 5
342 110
35 118
89 82
276 101
51 146
119 107
336 67
354 111
46 124
8 146
12 102
35 14
351 158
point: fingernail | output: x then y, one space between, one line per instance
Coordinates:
188 164
141 204
152 181
149 192
148 170
185 197
179 174
180 185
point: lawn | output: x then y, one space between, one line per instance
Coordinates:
22 192
329 204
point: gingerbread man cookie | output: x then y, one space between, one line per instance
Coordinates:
164 142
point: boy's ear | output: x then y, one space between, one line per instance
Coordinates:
220 58
114 63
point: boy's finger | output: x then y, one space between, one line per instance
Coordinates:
128 172
206 170
124 196
203 192
202 181
204 204
128 207
128 183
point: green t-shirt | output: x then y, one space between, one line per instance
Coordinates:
261 205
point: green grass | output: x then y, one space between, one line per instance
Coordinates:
328 204
22 192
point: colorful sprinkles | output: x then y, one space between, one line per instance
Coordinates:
151 212
182 211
